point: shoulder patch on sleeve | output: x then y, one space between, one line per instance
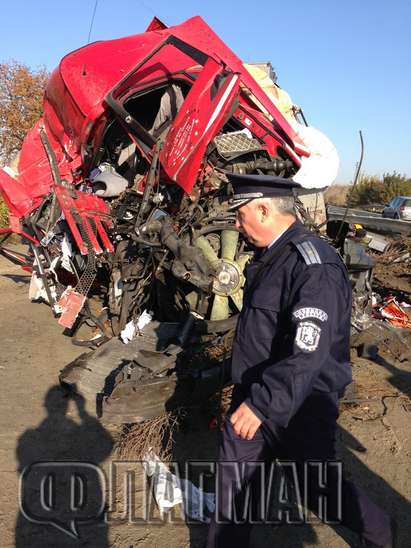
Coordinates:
310 312
307 337
309 252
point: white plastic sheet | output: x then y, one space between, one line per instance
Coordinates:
320 169
130 330
170 490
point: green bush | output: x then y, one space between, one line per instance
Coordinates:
368 190
395 185
336 195
374 190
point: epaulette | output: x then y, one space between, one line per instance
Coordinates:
309 252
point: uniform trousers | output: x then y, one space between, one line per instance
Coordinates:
310 436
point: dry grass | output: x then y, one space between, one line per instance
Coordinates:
4 214
337 195
155 435
397 249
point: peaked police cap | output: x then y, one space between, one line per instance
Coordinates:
249 187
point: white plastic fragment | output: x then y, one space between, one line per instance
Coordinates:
166 489
406 257
133 326
170 490
37 290
376 242
67 253
10 171
127 334
143 320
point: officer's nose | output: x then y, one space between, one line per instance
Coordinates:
237 224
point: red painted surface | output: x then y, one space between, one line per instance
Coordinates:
78 209
196 123
75 114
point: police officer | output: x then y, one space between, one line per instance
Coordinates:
290 364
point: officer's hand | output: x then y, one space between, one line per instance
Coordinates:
245 422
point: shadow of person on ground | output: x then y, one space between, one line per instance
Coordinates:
400 378
62 492
17 278
379 490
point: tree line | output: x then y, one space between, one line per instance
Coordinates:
21 105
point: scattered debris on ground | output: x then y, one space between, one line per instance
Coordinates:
391 311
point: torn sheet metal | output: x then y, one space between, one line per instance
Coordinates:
393 313
376 242
79 210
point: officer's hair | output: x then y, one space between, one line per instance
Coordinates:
284 205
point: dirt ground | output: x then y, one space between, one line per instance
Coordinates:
37 423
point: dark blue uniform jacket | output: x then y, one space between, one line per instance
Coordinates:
292 336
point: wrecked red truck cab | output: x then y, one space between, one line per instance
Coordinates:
121 188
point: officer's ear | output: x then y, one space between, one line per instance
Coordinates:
264 212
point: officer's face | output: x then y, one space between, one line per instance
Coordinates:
250 221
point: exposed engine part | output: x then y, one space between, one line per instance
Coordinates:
274 166
188 264
228 278
227 269
151 179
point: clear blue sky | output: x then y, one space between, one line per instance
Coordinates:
346 62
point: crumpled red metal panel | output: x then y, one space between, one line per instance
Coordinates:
15 195
75 101
79 209
393 313
195 31
34 180
196 123
91 72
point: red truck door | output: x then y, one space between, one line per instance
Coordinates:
200 117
